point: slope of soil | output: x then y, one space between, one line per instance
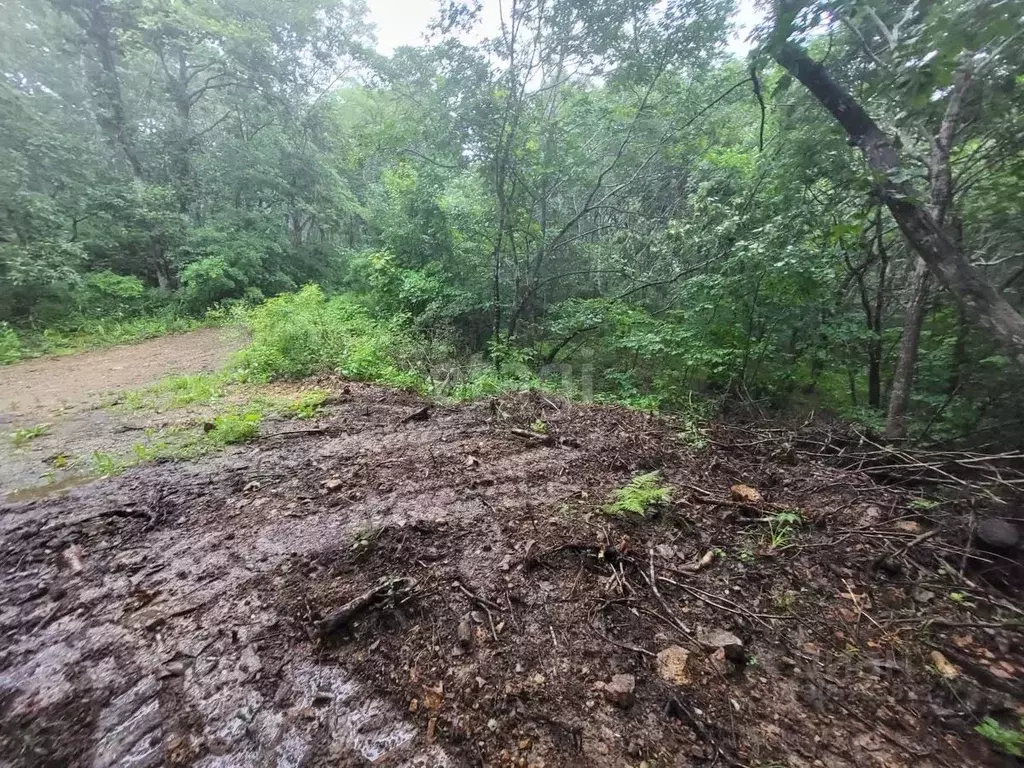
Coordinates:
172 615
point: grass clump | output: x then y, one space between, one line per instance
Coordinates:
236 426
640 496
178 392
306 405
20 437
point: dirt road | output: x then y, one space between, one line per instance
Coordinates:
173 615
33 388
64 394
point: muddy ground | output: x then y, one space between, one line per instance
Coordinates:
176 615
67 393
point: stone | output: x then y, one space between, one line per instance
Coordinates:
908 526
713 639
997 534
745 494
465 633
620 690
672 665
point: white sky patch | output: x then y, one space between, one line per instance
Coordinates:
404 22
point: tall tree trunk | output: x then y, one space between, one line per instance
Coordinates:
926 235
941 182
95 17
875 354
903 379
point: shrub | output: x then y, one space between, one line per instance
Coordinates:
301 334
10 345
110 296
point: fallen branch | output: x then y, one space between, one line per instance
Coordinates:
536 436
391 588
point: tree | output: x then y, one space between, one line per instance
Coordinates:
924 225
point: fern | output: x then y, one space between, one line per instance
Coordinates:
1009 740
642 494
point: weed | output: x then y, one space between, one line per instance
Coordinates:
61 461
107 464
20 437
782 528
236 426
693 436
539 426
178 392
307 404
924 504
642 494
1009 740
10 345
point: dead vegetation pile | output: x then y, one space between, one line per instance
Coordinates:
468 571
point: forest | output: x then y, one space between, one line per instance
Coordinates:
829 222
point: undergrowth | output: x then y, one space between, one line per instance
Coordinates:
306 333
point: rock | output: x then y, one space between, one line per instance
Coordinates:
465 633
713 639
73 558
421 414
620 690
908 526
943 666
672 665
745 494
997 534
333 484
871 516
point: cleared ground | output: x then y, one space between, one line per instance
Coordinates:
174 615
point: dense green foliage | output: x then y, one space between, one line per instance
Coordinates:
599 195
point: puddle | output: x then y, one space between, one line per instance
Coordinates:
58 487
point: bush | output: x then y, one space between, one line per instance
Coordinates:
301 334
10 345
110 296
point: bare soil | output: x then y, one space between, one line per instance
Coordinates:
172 616
34 387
